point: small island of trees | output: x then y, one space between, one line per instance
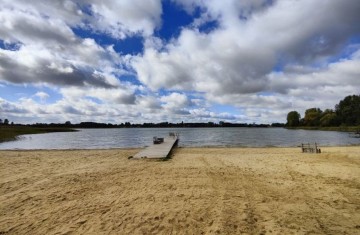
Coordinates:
346 113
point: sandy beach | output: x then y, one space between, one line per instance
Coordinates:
198 191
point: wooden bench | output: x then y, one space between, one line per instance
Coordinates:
310 148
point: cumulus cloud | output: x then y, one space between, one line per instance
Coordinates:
123 18
176 103
120 95
9 108
42 49
227 13
205 115
47 50
150 103
50 53
81 109
118 19
26 67
42 95
237 58
322 87
264 58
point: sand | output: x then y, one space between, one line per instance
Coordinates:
198 191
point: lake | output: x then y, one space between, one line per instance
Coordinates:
189 137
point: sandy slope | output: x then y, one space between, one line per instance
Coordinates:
199 191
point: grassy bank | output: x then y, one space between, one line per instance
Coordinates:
8 133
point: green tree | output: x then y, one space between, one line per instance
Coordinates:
348 110
293 119
329 118
312 117
6 121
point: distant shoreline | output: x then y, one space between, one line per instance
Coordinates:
11 133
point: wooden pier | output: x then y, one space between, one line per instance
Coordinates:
159 150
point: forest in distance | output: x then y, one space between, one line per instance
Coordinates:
68 124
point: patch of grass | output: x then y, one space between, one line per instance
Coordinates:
9 133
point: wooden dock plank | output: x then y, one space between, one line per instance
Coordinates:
158 150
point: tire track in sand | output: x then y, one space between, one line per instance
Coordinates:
223 209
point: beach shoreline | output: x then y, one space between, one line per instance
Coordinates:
266 190
298 146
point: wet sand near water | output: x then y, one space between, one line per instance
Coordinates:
198 191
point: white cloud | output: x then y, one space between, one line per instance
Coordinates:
149 103
204 115
126 17
322 87
119 19
175 100
50 53
233 64
237 58
120 95
227 11
42 95
176 103
35 64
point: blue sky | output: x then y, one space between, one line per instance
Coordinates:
172 60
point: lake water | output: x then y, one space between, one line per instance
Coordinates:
189 137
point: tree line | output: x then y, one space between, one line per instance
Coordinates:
68 124
346 113
6 122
